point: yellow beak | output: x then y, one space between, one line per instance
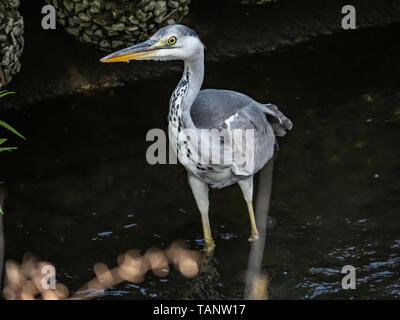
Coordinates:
139 51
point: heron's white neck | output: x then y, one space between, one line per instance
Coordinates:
186 92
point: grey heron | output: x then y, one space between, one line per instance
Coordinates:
194 109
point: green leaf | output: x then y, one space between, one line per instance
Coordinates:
8 149
5 93
8 127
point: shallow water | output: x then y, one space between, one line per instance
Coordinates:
80 190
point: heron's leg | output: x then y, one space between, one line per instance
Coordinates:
247 188
200 192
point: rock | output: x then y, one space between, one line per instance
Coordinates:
98 4
93 11
73 31
142 16
159 19
84 17
132 19
14 4
160 8
86 38
85 4
100 21
89 32
104 44
69 5
9 25
126 21
173 4
117 27
16 31
132 28
11 40
149 7
117 43
99 33
6 58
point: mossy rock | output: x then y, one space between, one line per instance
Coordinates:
11 40
111 24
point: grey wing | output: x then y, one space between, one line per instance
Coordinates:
254 143
212 107
224 109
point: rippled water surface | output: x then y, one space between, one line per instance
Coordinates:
80 190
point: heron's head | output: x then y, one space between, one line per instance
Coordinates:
175 42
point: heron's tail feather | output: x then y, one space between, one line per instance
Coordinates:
278 121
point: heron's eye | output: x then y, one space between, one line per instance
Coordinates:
172 41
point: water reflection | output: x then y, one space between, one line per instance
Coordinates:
25 281
256 287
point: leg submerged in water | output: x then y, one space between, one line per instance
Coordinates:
200 192
247 188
